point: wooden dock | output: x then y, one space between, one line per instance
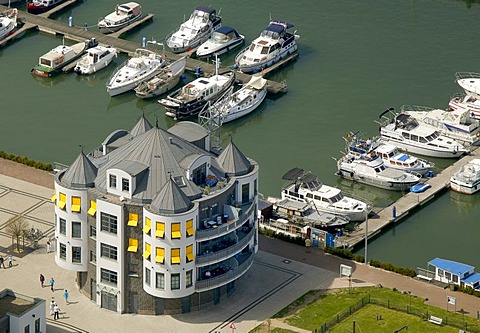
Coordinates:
403 206
80 34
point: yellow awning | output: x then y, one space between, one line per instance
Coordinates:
132 223
61 204
93 208
76 208
160 230
190 230
176 230
132 248
159 259
148 225
146 229
159 233
190 256
175 256
132 219
175 260
176 234
146 254
132 245
54 198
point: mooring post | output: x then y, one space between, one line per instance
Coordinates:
144 41
70 21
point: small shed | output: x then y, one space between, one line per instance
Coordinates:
449 271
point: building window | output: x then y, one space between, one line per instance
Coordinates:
160 255
188 278
76 254
108 223
190 230
112 181
125 185
63 226
132 219
133 267
93 256
62 202
108 251
37 326
160 229
190 253
175 281
63 251
176 231
175 256
27 329
76 230
147 276
132 245
76 204
245 193
109 276
148 225
255 189
199 174
93 232
160 281
147 252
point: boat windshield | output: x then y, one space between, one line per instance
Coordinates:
219 37
432 136
187 30
259 49
336 198
199 15
270 34
45 62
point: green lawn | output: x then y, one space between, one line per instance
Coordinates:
327 306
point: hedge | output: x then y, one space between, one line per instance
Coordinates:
26 161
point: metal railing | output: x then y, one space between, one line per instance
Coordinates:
223 279
225 253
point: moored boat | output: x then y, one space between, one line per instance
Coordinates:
467 179
164 81
8 22
222 40
405 132
469 82
144 65
196 30
96 58
124 15
42 6
53 61
466 103
274 44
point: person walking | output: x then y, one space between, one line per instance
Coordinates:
42 279
2 262
52 281
52 308
56 312
10 261
48 246
65 295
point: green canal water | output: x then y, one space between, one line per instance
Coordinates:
357 58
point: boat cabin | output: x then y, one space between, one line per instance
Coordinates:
205 14
448 271
96 54
123 13
200 88
224 34
57 56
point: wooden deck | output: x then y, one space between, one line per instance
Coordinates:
79 34
405 204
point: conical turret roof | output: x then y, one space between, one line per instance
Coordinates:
142 126
171 199
233 161
81 174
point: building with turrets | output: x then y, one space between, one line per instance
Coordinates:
153 222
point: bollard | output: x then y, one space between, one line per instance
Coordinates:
394 212
144 41
70 21
85 27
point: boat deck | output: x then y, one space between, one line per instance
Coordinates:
403 206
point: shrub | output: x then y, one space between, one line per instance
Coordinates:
25 160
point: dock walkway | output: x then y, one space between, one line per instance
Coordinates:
404 205
79 34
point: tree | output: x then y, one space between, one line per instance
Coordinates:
16 227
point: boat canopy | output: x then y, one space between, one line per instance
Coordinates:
226 30
293 174
206 9
278 26
257 82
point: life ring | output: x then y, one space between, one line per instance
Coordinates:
478 133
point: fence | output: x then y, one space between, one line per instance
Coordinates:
454 320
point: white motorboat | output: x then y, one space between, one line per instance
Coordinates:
144 65
8 22
305 187
233 105
390 154
470 82
196 30
274 44
456 124
164 81
222 40
467 179
124 14
466 103
372 171
194 96
405 132
96 58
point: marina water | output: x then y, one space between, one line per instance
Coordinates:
357 58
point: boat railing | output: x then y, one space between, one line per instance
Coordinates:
349 194
411 107
109 81
466 75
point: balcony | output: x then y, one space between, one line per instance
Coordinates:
227 277
212 258
211 233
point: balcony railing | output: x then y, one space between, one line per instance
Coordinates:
225 228
223 279
207 259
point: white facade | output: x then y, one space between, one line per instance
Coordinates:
33 317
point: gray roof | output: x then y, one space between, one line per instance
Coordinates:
162 152
189 130
81 174
233 161
133 168
141 126
171 200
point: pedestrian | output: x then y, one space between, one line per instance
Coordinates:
56 312
65 295
2 262
52 281
52 308
48 246
10 261
42 279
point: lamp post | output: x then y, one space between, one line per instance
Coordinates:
366 236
